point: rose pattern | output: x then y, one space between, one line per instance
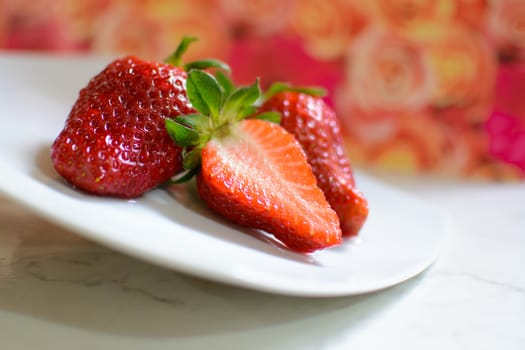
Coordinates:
256 17
458 57
327 27
420 86
249 60
386 73
507 28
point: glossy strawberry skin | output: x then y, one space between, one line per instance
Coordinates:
316 127
259 187
114 142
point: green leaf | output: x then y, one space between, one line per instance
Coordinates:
204 92
273 117
192 159
275 88
315 91
176 57
278 87
242 98
225 82
185 176
207 63
183 135
199 122
246 112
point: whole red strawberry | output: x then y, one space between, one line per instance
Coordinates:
250 171
114 141
316 127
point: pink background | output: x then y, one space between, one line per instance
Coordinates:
421 86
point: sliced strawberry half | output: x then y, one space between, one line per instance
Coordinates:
316 127
258 177
251 171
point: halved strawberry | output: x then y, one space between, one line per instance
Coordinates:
252 172
316 127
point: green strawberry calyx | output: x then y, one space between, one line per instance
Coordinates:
175 59
279 87
220 106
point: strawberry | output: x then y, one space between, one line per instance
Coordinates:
251 171
114 141
316 127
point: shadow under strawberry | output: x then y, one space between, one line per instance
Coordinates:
191 212
194 214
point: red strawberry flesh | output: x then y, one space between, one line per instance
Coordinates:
317 129
258 177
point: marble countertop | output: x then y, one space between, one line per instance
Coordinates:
60 291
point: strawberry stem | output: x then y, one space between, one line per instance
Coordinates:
176 57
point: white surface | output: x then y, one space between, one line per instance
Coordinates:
59 291
400 239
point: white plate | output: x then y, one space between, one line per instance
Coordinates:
400 239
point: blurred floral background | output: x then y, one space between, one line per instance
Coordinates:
421 86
